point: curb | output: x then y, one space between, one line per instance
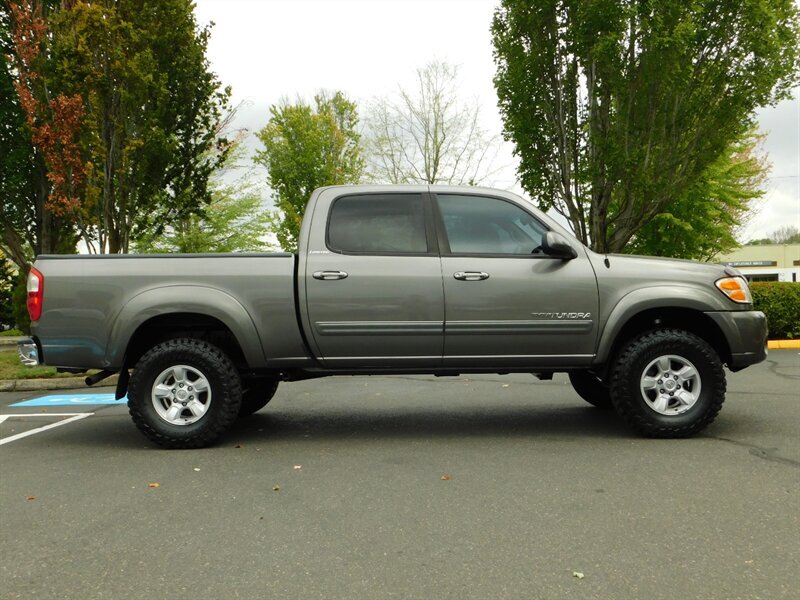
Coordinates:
783 344
63 383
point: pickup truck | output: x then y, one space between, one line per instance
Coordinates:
398 279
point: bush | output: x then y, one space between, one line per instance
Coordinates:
20 304
780 301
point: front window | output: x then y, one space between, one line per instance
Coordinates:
484 225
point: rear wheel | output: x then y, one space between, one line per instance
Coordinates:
256 395
668 383
590 388
184 393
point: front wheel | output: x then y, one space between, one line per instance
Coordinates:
668 383
184 393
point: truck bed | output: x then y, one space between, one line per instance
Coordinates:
94 303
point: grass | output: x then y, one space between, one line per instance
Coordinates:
12 368
11 333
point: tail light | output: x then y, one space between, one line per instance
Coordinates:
35 294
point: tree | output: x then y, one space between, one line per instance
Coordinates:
617 108
306 147
153 112
234 221
41 173
426 135
787 234
704 222
8 277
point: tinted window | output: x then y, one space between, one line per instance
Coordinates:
481 225
393 223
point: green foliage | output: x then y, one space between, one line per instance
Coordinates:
27 227
306 147
780 301
788 234
619 108
153 112
8 277
19 301
703 222
234 221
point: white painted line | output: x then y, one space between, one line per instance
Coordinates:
19 436
3 418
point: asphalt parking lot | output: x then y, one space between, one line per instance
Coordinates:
408 487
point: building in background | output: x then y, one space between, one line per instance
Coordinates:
771 262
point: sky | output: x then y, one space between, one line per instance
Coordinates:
268 50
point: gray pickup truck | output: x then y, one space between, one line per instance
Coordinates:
398 279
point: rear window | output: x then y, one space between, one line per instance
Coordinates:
378 224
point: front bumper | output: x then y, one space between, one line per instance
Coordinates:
746 334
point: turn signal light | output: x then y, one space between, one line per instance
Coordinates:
736 289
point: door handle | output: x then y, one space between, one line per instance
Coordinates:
471 275
329 275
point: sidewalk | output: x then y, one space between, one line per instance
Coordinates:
10 343
53 383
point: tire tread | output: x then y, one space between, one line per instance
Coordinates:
625 404
230 387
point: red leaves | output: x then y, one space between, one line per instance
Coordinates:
55 124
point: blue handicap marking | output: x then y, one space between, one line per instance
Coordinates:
72 400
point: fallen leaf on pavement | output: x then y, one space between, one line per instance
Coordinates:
29 498
296 467
196 469
276 488
446 477
238 446
578 575
155 484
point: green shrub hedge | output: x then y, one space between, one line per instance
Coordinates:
780 301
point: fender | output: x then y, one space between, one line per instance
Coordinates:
662 296
184 299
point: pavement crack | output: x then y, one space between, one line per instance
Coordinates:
760 452
773 366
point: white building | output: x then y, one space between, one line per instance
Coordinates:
774 262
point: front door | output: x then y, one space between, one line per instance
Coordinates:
507 303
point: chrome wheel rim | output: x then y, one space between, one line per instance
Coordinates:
670 385
181 395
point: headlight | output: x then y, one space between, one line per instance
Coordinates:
736 289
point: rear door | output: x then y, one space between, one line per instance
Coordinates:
507 303
374 282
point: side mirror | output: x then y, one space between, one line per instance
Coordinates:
555 244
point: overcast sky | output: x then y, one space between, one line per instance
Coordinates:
272 49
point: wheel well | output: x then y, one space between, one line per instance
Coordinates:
177 325
686 319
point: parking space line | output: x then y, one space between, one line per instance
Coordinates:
72 417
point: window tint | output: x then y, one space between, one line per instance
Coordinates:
481 225
393 223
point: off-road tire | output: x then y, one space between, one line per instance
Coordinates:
628 370
224 383
590 388
256 395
